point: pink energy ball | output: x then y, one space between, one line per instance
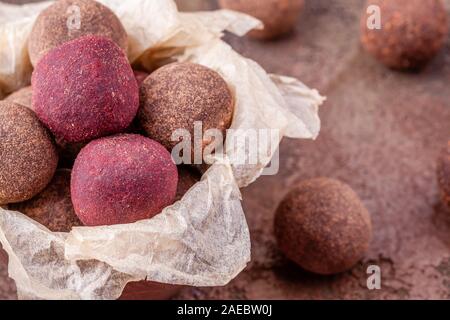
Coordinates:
122 179
85 89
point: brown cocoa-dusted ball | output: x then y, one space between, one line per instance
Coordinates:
22 97
444 174
412 32
53 206
187 177
279 16
180 94
148 290
323 226
28 158
67 20
140 76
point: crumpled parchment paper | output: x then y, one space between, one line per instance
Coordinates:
203 239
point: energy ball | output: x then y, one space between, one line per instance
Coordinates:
444 174
85 89
122 179
412 32
22 97
323 227
279 16
187 177
28 158
178 95
148 290
53 206
66 20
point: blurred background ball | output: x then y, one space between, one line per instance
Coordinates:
279 16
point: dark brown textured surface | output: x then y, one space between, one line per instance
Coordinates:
179 94
382 133
322 226
51 27
85 89
28 157
412 32
146 290
279 16
53 206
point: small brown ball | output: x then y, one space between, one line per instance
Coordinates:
28 158
53 206
187 178
22 97
279 16
412 32
323 226
444 174
179 94
59 23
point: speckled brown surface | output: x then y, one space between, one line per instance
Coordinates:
178 95
28 157
412 32
279 16
22 97
51 27
322 226
382 133
53 206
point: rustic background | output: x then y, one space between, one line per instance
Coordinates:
382 131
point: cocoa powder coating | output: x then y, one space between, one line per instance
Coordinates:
66 20
122 179
279 16
28 158
323 226
412 32
179 94
53 206
22 97
444 174
85 89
